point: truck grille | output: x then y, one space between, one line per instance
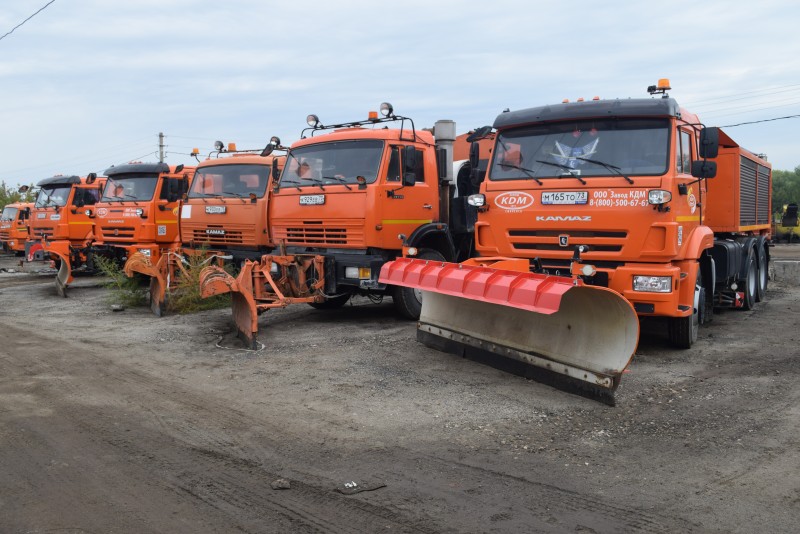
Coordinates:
229 237
118 233
43 231
5 235
548 240
319 233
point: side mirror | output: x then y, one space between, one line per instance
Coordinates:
479 133
474 155
704 169
179 168
79 203
709 142
91 177
23 189
409 166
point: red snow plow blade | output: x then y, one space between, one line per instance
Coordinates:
557 323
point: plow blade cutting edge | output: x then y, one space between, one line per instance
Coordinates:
64 276
216 281
139 263
585 332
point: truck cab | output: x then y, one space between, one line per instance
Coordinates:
139 207
14 226
360 193
58 218
225 209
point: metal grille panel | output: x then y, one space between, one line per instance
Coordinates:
763 180
747 193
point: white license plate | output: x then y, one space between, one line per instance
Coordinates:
565 197
215 209
312 200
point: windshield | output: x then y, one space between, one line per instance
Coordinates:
123 187
53 195
9 214
333 163
582 148
230 181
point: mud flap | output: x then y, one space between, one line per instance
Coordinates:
556 323
216 281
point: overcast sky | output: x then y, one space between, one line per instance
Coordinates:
86 84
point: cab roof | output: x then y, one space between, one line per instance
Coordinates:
358 133
150 168
60 180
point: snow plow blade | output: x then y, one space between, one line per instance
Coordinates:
139 263
216 281
64 276
557 323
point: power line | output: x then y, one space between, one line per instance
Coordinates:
762 120
26 20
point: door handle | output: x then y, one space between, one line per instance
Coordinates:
427 206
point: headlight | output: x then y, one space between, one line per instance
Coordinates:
658 196
476 200
312 120
88 213
386 109
139 212
273 268
144 251
652 284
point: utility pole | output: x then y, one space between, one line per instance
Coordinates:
161 147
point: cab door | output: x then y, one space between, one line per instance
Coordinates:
404 208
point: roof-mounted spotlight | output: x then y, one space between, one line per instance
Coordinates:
386 109
313 121
274 142
219 146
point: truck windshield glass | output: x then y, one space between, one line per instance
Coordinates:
230 181
339 162
133 187
53 195
582 148
9 214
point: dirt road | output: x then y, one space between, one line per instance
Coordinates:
122 422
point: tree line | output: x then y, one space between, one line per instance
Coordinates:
9 195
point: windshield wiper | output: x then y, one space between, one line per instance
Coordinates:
338 179
608 166
529 172
241 197
290 182
567 168
316 182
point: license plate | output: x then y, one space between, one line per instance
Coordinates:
565 197
312 200
215 209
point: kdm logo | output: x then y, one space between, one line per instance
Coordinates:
514 201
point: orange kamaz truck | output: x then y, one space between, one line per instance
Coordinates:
589 208
61 225
351 197
14 226
138 213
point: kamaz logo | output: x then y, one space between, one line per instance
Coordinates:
213 231
559 218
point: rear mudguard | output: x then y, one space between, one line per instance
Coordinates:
557 323
159 278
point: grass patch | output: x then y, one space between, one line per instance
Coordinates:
125 291
185 296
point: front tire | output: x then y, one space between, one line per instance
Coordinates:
683 331
408 301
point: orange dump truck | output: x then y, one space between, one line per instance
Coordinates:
14 226
61 228
137 215
634 198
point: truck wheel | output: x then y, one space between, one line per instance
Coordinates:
333 303
763 270
750 281
408 301
683 330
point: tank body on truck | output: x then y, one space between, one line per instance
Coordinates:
14 226
61 228
136 219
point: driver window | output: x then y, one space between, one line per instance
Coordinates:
683 160
393 174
